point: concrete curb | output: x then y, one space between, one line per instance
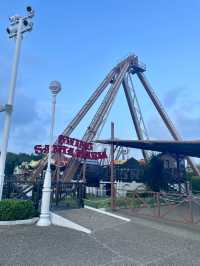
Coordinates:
63 222
17 222
108 213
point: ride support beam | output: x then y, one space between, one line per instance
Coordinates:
164 115
80 115
83 111
97 120
101 112
86 107
133 113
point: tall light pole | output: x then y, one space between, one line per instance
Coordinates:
45 220
18 26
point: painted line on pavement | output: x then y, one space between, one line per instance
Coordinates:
61 221
108 213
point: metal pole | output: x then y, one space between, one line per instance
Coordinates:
158 203
8 110
112 168
84 170
178 172
191 215
46 192
58 178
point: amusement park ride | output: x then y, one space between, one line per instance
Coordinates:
121 74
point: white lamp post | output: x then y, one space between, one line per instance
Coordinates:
18 26
45 220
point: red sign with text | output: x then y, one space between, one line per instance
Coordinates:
72 147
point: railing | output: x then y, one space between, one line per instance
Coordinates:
171 206
67 192
98 196
177 207
23 190
73 191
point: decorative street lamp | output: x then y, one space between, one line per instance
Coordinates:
18 26
45 220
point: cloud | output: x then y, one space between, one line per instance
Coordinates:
29 123
183 111
173 96
25 110
156 129
24 138
188 126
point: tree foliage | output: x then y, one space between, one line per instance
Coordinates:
154 176
14 159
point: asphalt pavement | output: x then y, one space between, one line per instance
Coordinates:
112 242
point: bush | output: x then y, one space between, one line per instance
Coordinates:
13 209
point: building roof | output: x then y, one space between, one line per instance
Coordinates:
187 148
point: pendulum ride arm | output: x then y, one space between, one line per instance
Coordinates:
97 119
133 113
79 116
73 124
100 114
164 115
83 111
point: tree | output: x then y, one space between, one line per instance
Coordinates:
154 174
12 160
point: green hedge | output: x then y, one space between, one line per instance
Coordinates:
13 209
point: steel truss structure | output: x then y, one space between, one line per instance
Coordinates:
119 75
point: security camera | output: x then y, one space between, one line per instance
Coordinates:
25 22
8 30
19 24
12 31
14 19
30 11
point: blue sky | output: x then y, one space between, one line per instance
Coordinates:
78 42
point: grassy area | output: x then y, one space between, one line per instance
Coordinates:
97 202
105 202
69 202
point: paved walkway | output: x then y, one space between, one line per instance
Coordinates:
112 242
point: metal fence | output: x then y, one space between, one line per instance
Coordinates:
171 206
177 207
70 194
13 189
